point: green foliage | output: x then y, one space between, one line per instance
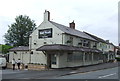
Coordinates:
18 32
4 48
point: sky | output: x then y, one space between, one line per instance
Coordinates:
98 17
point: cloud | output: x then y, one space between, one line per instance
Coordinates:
89 15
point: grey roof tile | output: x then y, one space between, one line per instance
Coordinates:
71 31
20 48
60 47
97 38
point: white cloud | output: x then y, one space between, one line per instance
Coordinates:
90 15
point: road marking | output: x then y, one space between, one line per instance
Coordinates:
73 72
106 75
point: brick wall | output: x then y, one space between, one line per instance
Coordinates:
30 66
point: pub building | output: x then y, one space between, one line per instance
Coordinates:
59 46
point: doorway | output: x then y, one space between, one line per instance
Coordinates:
53 59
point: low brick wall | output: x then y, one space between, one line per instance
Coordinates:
9 65
29 66
36 67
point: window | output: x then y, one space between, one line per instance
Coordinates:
86 57
100 45
45 33
69 57
86 43
95 57
109 46
95 45
76 56
106 46
70 41
80 43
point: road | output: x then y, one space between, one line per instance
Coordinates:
72 74
27 74
111 73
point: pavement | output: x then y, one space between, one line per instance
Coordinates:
110 73
96 67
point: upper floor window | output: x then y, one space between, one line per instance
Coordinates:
95 45
100 45
109 46
45 33
80 43
86 43
70 41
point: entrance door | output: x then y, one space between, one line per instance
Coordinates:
53 60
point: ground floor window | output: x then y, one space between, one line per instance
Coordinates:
70 57
88 57
111 56
95 57
80 56
75 56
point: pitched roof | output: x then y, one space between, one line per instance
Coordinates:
60 47
97 38
71 31
20 48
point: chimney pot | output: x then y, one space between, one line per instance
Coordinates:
72 25
107 41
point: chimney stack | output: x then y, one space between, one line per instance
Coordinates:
46 15
107 41
72 25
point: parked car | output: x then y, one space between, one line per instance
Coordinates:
3 62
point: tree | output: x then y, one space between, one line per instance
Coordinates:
4 49
18 32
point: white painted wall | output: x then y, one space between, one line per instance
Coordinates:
38 56
10 56
24 56
56 39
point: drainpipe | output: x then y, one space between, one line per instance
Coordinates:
62 38
83 58
30 49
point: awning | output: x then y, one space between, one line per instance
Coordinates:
60 47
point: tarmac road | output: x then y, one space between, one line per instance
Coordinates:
89 72
111 73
